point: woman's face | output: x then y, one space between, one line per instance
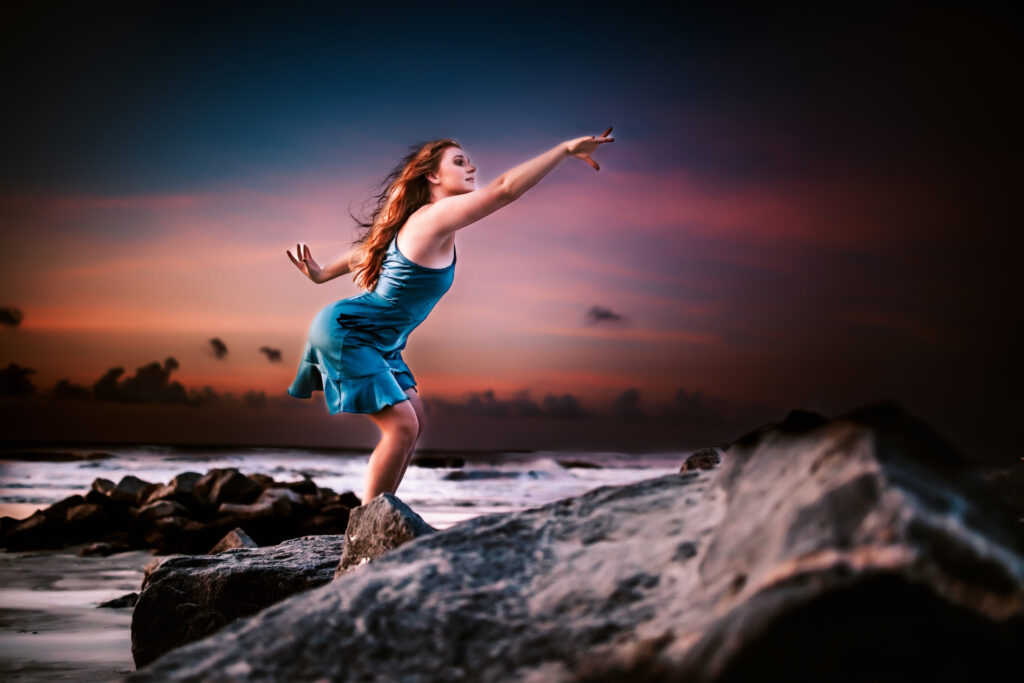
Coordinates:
455 174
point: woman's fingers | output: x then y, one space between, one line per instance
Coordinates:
605 134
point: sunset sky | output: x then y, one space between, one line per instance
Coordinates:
799 211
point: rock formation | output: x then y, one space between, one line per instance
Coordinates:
187 515
853 549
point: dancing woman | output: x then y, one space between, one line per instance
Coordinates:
405 259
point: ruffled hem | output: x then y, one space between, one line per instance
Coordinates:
367 394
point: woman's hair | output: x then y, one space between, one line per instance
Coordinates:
405 190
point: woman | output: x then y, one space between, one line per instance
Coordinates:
406 262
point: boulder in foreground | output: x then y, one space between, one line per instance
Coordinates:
853 549
185 598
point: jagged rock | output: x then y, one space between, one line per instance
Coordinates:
186 598
854 550
129 491
128 600
181 489
236 538
161 508
85 522
704 459
102 486
226 485
43 529
378 528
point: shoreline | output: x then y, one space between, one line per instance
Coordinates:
48 605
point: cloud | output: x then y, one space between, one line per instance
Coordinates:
220 349
599 314
150 384
10 316
14 381
273 355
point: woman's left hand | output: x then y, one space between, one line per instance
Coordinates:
305 263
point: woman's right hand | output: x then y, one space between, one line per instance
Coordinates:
582 148
305 263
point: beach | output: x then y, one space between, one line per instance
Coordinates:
50 625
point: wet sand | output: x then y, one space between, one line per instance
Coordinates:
50 627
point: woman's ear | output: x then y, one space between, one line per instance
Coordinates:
433 178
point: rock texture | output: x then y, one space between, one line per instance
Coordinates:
377 528
186 598
854 549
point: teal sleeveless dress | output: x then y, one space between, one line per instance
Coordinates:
354 349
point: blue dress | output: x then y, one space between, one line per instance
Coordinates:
354 349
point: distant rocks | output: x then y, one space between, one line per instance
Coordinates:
858 548
187 515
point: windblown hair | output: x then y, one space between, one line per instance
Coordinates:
405 190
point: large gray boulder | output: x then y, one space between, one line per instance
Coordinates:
852 549
185 598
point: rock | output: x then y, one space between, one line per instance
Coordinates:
161 508
103 549
102 486
43 529
378 528
128 600
176 534
154 564
301 486
129 491
186 598
226 486
236 538
704 459
181 489
86 522
856 549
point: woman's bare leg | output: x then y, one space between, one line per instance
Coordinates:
417 406
399 428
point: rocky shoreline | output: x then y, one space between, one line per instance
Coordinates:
858 548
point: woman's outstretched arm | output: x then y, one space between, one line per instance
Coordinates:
314 272
454 213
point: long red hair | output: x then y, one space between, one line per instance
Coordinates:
405 189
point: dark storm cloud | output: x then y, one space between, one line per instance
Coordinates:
14 381
273 355
150 384
486 404
10 316
600 314
220 349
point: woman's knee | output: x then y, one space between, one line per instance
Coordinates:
405 426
